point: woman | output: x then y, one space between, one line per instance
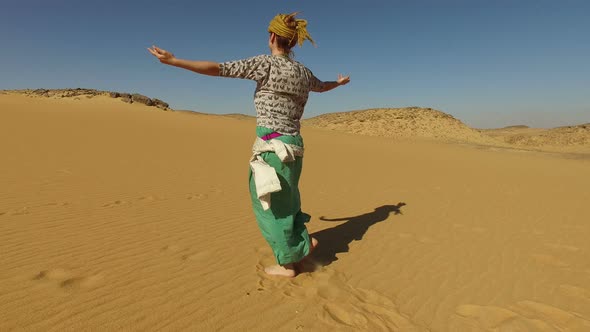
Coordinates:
282 89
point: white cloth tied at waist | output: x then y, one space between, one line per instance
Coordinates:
265 176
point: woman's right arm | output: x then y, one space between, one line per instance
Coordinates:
202 67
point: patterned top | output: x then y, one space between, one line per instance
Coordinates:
282 89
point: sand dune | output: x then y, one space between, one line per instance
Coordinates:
415 122
559 138
117 216
409 122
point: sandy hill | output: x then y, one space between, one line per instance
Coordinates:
405 122
116 217
428 123
564 137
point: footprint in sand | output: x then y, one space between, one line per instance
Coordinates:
574 227
64 171
81 282
266 257
301 288
574 291
53 274
201 255
115 203
343 306
27 209
148 198
522 316
197 196
65 280
20 212
57 204
549 260
217 191
426 240
187 256
562 247
480 230
560 319
485 317
343 316
171 248
263 250
421 239
362 309
462 227
328 292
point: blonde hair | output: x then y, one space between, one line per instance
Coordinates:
289 31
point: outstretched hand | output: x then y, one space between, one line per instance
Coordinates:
162 55
342 80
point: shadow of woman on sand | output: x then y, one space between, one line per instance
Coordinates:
336 239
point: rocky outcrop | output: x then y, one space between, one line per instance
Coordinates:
90 93
160 104
137 98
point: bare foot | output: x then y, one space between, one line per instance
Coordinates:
281 270
314 244
299 266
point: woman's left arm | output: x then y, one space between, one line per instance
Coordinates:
202 67
327 86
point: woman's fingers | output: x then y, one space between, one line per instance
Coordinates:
162 55
155 53
156 50
161 51
343 79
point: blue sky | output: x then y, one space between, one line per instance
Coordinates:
488 63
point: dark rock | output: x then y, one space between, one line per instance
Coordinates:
137 98
41 92
160 104
90 93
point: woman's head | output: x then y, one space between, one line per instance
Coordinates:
288 31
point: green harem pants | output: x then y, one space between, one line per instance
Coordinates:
283 225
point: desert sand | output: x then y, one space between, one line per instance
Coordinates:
124 217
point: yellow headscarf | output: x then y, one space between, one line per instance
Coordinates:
279 27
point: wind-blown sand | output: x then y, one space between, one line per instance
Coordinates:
118 216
